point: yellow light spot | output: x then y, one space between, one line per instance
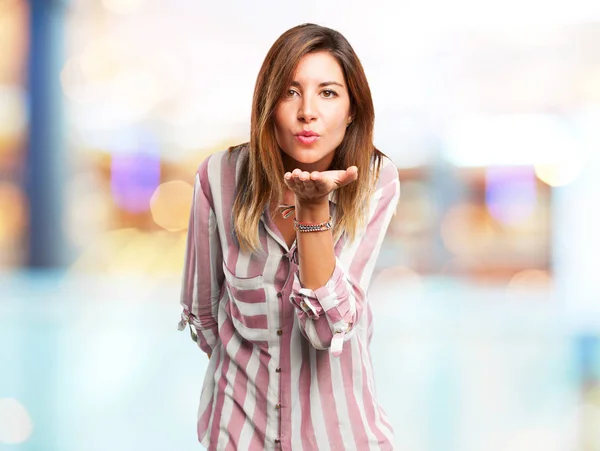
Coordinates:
466 230
530 280
170 205
12 114
132 251
559 174
101 60
12 212
14 32
15 423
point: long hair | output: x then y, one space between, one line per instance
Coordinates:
261 170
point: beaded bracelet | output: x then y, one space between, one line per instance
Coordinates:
286 211
311 227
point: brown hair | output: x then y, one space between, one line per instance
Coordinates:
261 172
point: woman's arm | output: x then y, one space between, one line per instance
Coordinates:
330 290
315 249
203 270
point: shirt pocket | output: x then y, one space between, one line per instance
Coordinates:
247 306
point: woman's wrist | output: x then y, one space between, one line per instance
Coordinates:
313 211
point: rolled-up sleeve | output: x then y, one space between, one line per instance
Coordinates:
327 314
203 274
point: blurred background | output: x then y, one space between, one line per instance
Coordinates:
486 297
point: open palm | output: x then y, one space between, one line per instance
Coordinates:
313 186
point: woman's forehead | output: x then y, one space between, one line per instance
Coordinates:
318 68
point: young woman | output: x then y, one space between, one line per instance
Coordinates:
283 237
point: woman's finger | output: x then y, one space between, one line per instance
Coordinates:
310 186
319 182
296 179
348 176
304 176
287 179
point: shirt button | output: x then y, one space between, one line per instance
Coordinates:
279 295
278 406
279 332
278 370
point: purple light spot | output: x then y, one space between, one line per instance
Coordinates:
134 178
510 193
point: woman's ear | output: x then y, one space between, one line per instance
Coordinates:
350 117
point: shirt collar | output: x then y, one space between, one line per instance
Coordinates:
332 197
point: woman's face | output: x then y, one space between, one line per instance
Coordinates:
312 116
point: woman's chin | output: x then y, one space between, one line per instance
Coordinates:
305 159
313 158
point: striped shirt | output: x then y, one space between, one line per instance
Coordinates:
290 367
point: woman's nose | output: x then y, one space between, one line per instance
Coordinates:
307 111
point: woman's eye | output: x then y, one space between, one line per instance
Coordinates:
328 93
291 93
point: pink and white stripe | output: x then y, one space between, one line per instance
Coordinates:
290 367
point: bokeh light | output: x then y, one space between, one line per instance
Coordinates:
87 76
13 39
13 114
510 193
132 251
560 174
13 212
170 205
134 178
15 423
466 229
529 281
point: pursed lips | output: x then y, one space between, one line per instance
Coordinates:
307 137
307 133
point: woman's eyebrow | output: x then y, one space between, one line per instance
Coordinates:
296 84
